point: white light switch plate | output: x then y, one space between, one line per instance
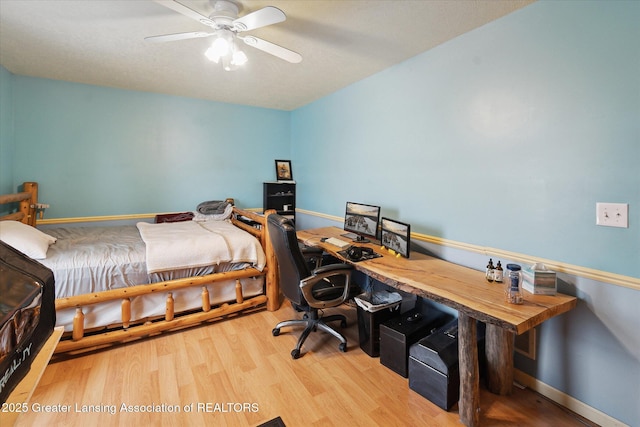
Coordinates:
612 214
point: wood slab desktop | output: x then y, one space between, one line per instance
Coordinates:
467 291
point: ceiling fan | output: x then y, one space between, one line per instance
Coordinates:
226 28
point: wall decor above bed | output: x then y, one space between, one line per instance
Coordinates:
119 283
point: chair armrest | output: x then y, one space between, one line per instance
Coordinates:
331 268
324 272
311 250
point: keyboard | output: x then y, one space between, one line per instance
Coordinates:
337 242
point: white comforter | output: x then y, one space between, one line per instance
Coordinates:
191 244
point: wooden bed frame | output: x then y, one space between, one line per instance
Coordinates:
78 340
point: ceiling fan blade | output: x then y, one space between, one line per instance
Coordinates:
273 49
260 18
186 11
177 36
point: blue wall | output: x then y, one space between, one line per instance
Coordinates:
102 151
505 138
6 133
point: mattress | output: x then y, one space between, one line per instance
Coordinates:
95 259
27 314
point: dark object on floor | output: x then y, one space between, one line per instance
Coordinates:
401 332
369 327
276 422
433 365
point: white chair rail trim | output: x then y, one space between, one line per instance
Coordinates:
560 267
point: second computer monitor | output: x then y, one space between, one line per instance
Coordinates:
361 221
396 235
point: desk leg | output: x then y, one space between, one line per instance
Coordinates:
469 403
499 344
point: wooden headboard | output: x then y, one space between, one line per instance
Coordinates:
27 200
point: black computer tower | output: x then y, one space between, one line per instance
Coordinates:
399 333
433 365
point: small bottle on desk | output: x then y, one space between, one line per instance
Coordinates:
489 271
498 273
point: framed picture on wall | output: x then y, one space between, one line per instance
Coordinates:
283 170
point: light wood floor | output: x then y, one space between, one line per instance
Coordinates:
235 373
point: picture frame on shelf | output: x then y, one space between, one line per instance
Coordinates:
283 170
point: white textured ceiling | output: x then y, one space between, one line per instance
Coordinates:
341 41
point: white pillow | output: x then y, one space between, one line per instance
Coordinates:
28 240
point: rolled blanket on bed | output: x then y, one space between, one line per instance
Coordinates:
177 245
212 207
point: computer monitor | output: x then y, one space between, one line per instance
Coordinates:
361 221
396 235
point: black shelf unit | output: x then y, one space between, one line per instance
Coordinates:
280 196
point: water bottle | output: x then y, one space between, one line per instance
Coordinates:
513 284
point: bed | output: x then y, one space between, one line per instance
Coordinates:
119 283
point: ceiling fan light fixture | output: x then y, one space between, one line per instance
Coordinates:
225 26
239 58
234 59
218 49
225 48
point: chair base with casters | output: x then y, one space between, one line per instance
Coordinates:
312 321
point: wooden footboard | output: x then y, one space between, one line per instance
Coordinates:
127 330
79 339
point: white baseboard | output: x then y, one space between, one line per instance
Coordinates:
567 401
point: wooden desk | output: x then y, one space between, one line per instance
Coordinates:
467 291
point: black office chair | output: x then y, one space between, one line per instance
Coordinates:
308 290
